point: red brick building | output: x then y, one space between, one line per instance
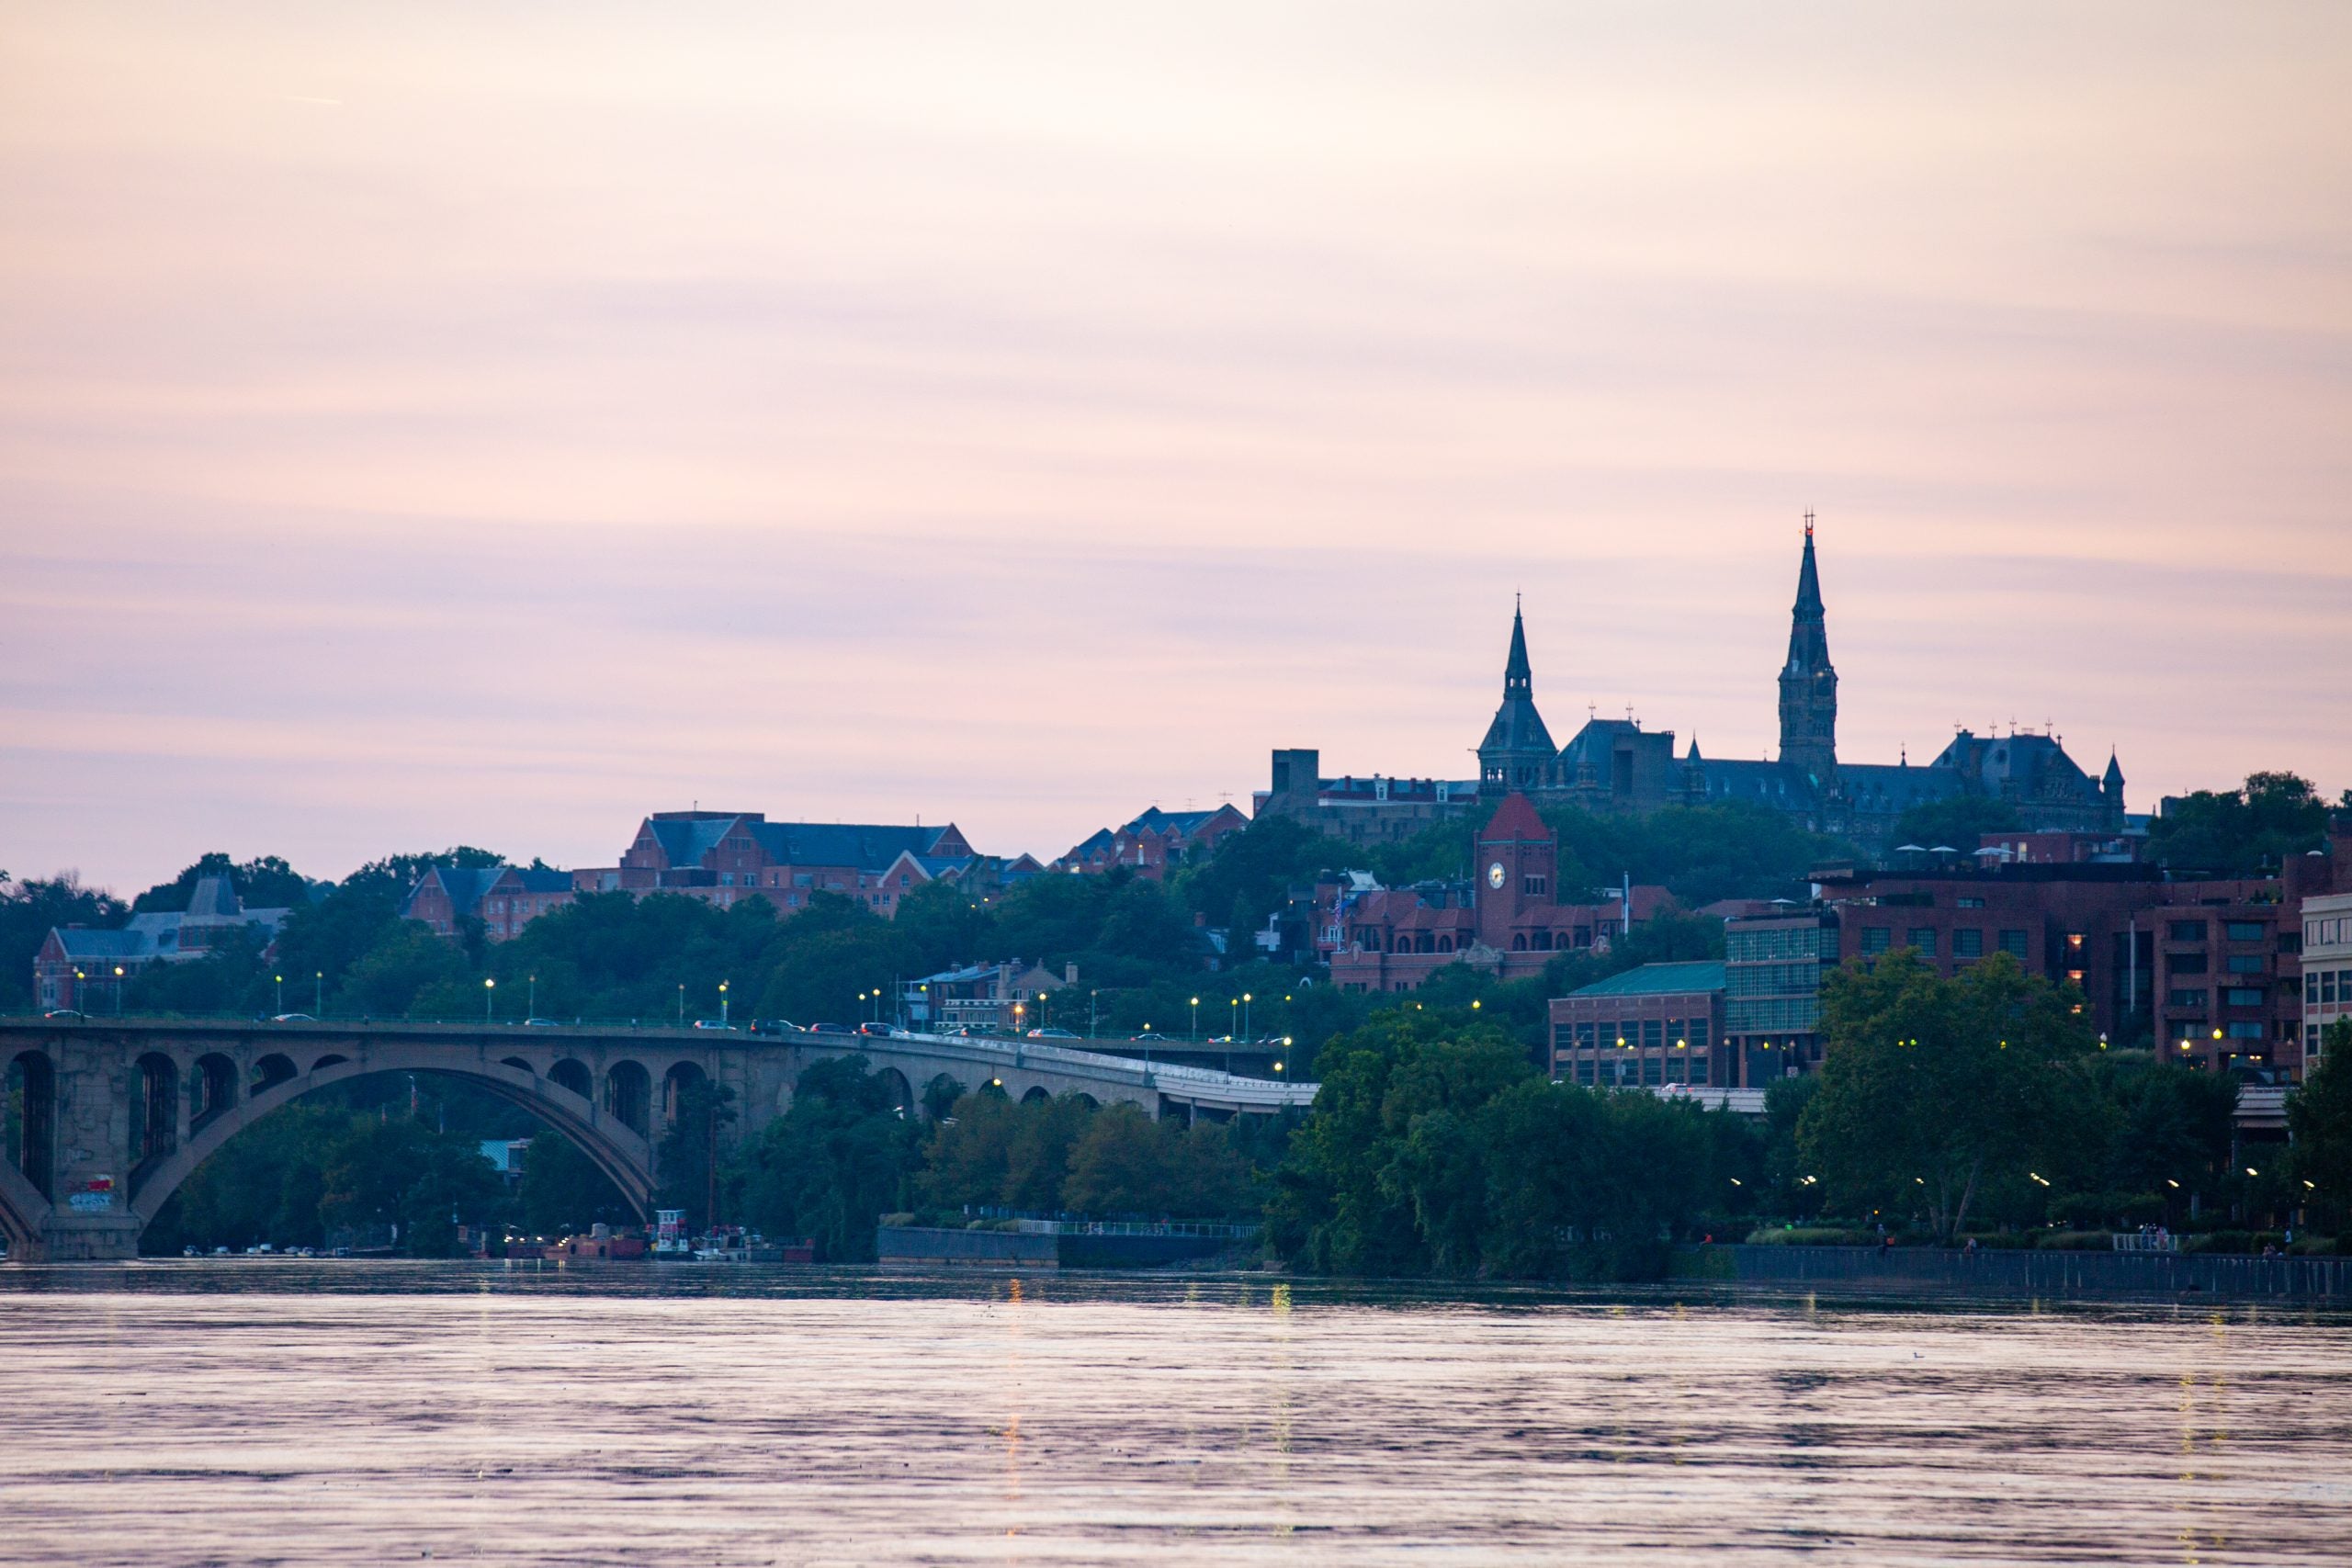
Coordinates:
1153 842
721 857
2212 966
1507 920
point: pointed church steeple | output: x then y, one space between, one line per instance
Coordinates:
1518 752
1808 680
1519 676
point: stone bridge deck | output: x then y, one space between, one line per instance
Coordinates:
116 1113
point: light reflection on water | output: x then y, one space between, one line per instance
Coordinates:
253 1412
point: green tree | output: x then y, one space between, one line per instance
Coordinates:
833 1164
2240 831
29 910
1125 1163
563 1192
689 1153
1958 822
1932 1088
2319 1116
266 882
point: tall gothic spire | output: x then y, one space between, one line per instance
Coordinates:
1518 751
1519 676
1808 680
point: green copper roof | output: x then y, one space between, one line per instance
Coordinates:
1657 980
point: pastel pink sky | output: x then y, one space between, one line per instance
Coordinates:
488 423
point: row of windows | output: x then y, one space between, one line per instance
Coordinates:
1649 1033
1647 1070
2233 930
2232 997
1772 1015
2328 987
1771 979
2329 931
1968 941
1774 944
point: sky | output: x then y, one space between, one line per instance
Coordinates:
489 423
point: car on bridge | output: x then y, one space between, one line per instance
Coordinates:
718 1023
831 1029
541 1024
1054 1034
293 1018
64 1013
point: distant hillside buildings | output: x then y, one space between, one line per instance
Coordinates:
723 857
1616 765
82 968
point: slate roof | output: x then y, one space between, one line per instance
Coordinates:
866 846
1657 980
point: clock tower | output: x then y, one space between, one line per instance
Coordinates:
1519 860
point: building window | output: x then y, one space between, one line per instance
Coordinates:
1653 1034
2189 964
2184 999
2246 930
2246 963
2013 944
1698 1069
1924 939
1586 1070
2242 997
1653 1070
1969 903
1584 1036
1562 1036
1968 943
2246 1030
2185 930
1875 939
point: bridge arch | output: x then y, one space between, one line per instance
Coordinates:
682 1076
618 1150
1038 1094
212 1088
28 1149
272 1070
571 1073
157 1130
628 1095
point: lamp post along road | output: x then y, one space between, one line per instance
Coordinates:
489 995
722 1004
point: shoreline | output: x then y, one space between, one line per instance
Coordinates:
2091 1276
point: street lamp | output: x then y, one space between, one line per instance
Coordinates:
1245 1013
722 1004
318 993
488 994
117 990
681 1004
1196 1018
534 1010
280 981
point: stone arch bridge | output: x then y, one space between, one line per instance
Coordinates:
107 1117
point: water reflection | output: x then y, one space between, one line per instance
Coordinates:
240 1412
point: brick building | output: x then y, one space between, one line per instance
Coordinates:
722 858
2210 969
1153 842
85 969
1507 920
1374 809
1659 1023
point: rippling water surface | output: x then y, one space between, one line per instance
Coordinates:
284 1412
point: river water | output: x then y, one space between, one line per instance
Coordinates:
351 1412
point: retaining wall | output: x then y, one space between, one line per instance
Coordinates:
2020 1273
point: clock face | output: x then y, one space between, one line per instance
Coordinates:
1495 875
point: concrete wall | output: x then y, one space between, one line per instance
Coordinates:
2019 1273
